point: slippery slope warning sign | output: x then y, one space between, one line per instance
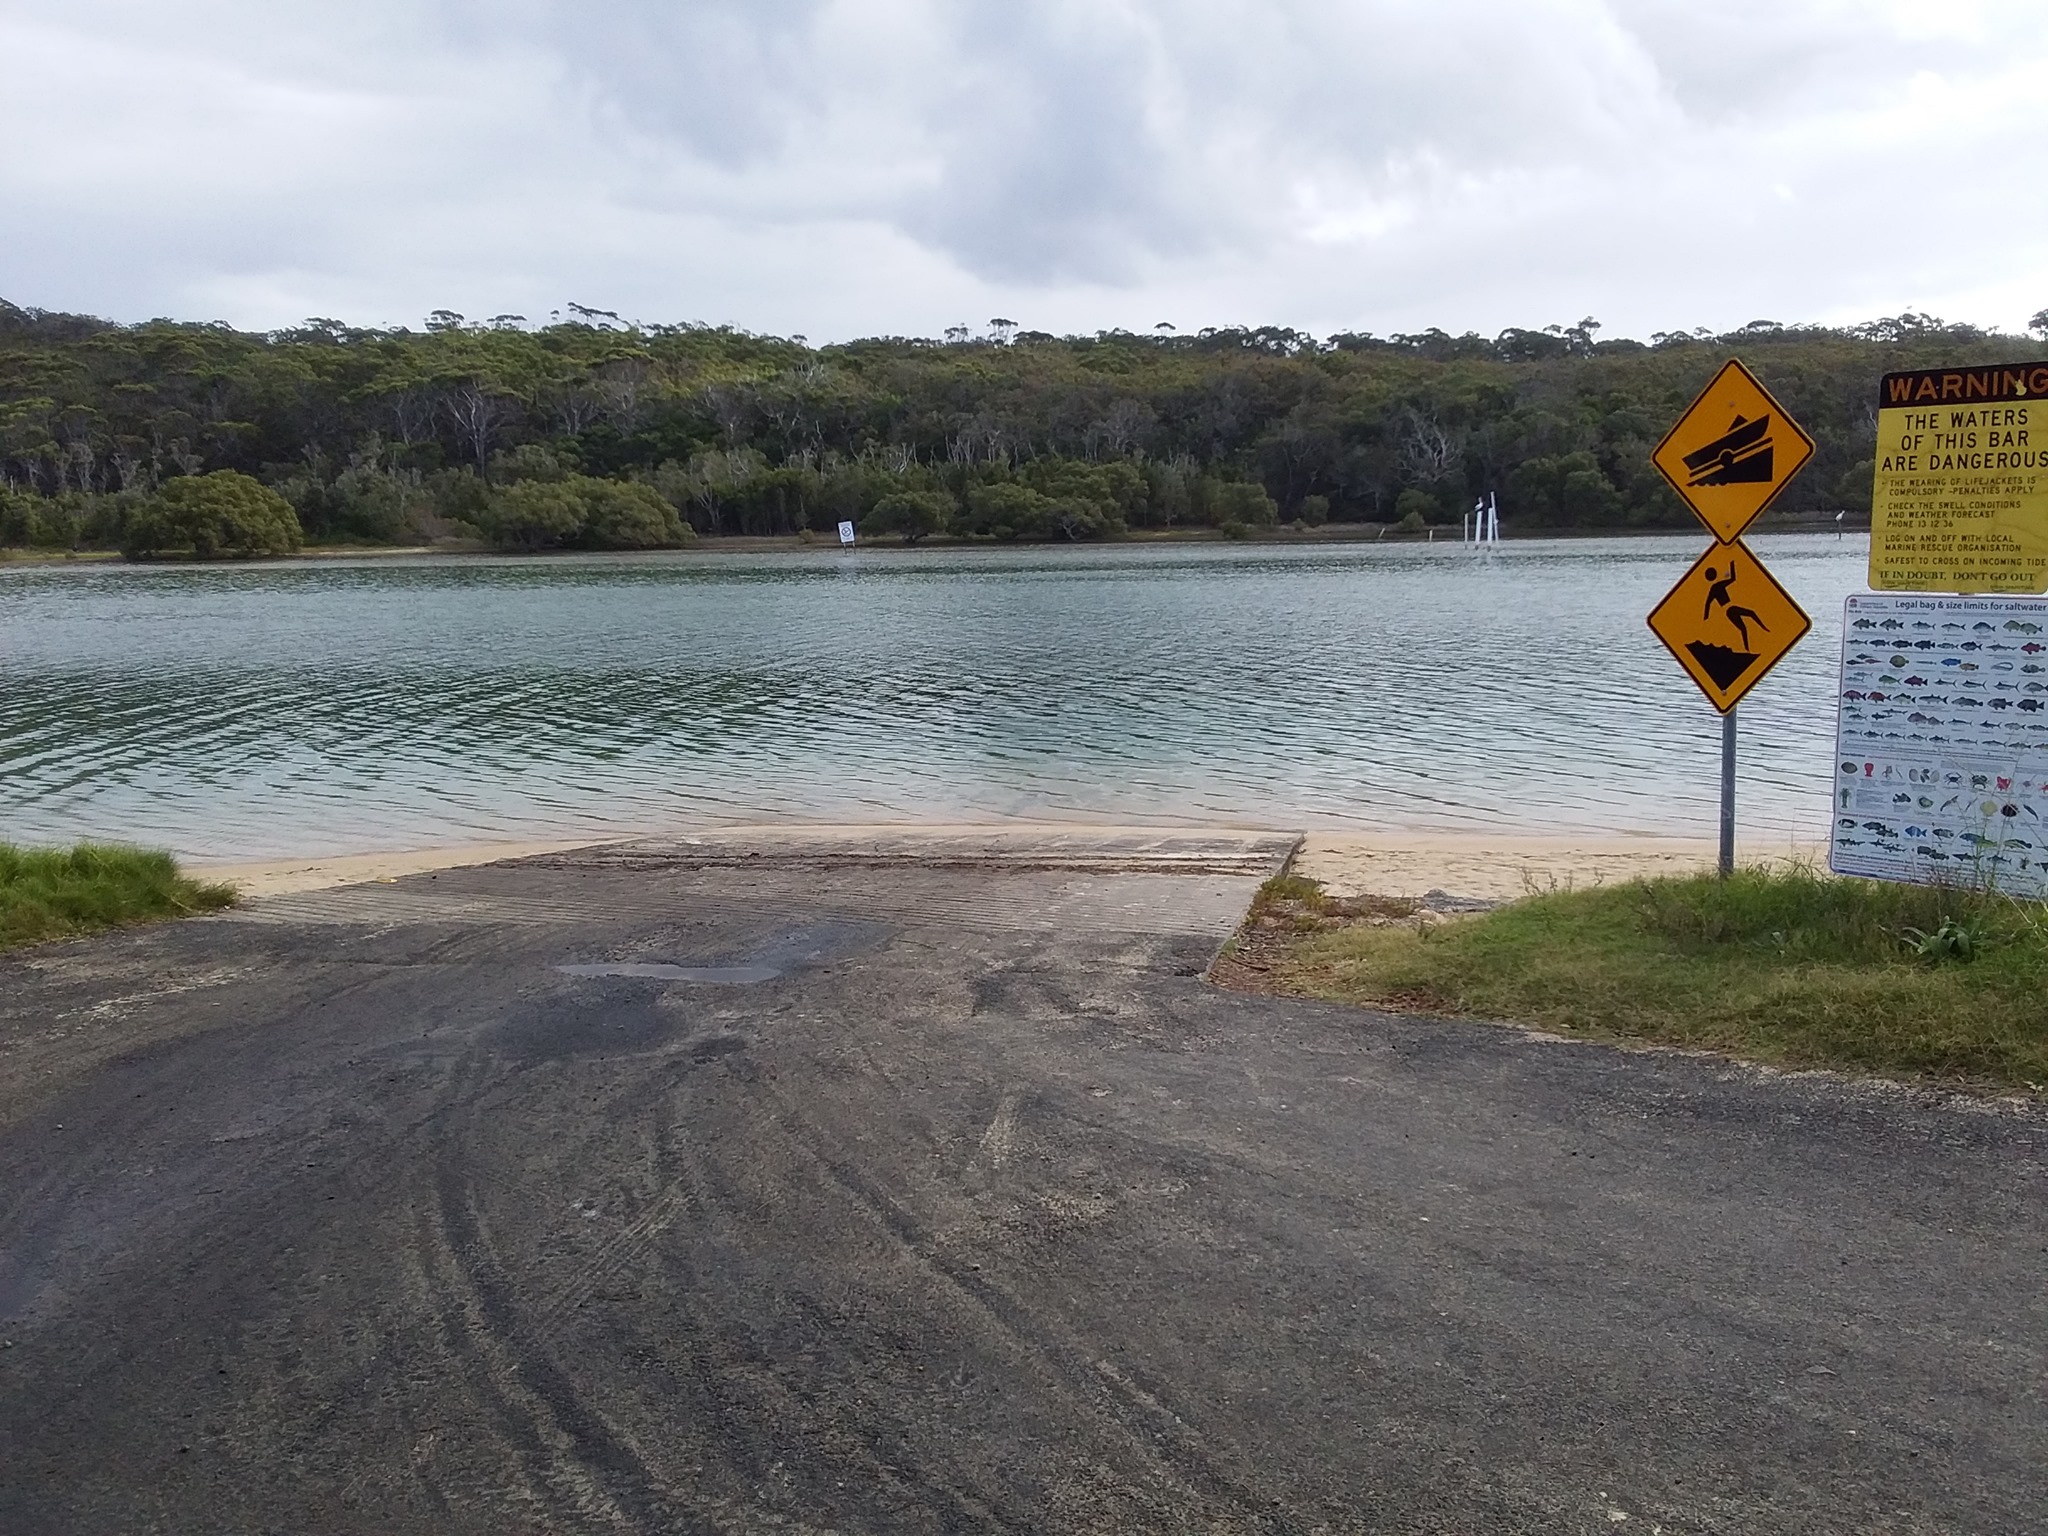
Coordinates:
1728 622
1960 502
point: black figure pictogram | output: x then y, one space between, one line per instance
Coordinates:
1740 617
1723 664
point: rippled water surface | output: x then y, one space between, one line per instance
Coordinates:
320 706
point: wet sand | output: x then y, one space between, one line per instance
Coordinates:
1346 863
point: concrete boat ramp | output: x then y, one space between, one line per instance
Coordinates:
889 1183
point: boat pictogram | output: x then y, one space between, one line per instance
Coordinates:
1740 455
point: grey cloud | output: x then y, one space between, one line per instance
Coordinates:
843 166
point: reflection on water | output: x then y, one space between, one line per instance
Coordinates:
319 706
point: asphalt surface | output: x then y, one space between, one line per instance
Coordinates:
934 1190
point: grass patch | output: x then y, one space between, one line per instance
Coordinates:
55 893
1792 967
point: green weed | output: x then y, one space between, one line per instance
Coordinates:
1789 966
50 893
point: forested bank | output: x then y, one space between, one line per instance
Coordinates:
174 439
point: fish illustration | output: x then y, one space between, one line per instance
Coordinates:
2022 627
1916 682
1916 831
1863 624
1892 624
1923 645
1983 625
2034 647
1952 624
1849 842
1922 624
1930 853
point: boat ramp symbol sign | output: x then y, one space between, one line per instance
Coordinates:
1732 451
1728 622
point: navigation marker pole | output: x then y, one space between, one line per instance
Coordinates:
1727 864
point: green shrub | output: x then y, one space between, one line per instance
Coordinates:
224 515
1241 501
619 514
1414 508
532 515
581 512
913 514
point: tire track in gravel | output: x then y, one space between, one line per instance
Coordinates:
1139 1417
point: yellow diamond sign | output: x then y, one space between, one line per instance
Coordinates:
1728 622
1731 452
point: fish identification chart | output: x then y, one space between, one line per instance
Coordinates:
1941 741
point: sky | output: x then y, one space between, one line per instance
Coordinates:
842 168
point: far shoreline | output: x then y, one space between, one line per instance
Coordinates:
1279 536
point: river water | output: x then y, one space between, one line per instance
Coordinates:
323 706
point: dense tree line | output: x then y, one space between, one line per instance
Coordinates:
597 433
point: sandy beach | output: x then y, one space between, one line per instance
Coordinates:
1345 862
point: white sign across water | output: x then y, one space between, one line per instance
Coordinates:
1941 741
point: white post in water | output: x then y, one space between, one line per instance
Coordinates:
1727 863
1493 517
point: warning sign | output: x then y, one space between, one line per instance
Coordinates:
1728 622
1732 451
1960 502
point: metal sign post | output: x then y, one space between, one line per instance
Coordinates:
1727 864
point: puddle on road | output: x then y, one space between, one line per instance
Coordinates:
717 975
793 949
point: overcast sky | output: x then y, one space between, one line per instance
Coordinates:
858 167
